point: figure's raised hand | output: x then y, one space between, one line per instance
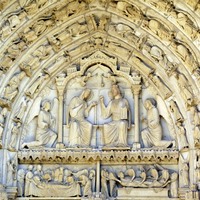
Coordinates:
94 103
101 99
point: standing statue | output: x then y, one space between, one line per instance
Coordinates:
28 180
152 135
45 136
11 174
184 173
115 132
20 182
104 181
80 130
14 136
183 143
3 115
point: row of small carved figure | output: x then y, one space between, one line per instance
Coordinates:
63 182
41 26
15 19
143 177
55 182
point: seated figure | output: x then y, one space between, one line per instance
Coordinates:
80 130
115 132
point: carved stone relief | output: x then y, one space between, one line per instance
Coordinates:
99 99
60 181
116 181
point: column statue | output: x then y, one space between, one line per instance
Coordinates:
115 132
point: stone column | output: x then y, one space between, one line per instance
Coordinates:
98 178
60 89
136 91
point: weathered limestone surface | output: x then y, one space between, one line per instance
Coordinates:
99 99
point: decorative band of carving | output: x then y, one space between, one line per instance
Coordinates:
54 155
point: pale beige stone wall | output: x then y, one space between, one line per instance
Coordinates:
51 51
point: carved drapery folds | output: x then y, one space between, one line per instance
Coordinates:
101 84
95 115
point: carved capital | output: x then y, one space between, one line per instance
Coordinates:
136 89
60 84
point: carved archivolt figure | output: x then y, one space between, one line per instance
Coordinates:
185 88
184 173
45 136
183 143
161 86
14 136
3 114
36 86
11 172
12 88
152 135
80 129
175 110
115 132
20 112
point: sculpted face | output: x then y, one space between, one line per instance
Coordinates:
30 167
147 104
121 175
87 94
47 106
39 167
115 90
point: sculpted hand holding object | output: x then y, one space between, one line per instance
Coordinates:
80 129
115 132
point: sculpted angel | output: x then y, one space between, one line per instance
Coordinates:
45 135
152 135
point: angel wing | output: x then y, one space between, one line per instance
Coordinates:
165 114
35 109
